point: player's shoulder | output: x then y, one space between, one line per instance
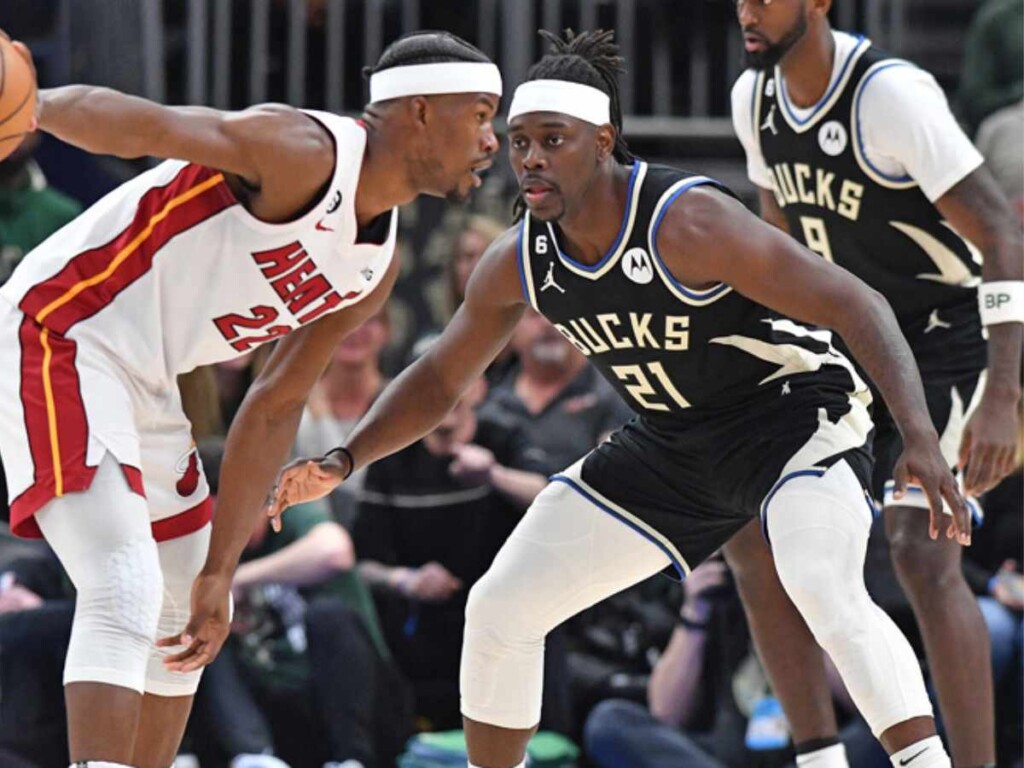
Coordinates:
284 126
743 90
892 81
692 218
498 270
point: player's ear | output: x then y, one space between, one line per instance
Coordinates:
820 8
419 109
605 138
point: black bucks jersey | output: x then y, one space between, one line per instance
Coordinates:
732 398
881 228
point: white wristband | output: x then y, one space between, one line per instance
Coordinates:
1001 302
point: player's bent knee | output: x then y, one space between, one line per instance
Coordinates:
502 657
116 616
923 564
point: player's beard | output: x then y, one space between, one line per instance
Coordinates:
773 53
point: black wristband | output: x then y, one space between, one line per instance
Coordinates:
348 455
693 626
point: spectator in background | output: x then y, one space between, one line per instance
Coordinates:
709 704
344 393
30 211
563 405
992 567
431 518
992 92
36 608
306 674
470 245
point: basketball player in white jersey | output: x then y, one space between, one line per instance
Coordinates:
270 223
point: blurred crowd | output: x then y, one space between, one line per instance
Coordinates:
348 623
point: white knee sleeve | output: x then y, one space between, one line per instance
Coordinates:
180 561
818 528
565 555
102 537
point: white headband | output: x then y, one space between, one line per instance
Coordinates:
427 79
574 99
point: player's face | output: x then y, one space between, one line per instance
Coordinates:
770 29
461 144
554 158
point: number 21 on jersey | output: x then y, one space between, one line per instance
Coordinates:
637 383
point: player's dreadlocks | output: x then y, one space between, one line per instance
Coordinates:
590 58
426 47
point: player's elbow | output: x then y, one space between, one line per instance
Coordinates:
864 305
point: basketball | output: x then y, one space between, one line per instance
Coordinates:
17 97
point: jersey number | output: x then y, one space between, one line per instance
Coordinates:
640 387
816 236
232 325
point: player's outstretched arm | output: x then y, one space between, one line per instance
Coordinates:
258 442
712 238
979 211
416 401
248 143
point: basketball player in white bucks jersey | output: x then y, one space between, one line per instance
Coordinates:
855 153
270 224
703 318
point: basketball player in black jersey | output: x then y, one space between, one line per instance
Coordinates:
693 309
855 154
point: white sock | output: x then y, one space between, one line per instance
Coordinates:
832 756
927 753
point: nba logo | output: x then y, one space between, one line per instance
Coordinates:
636 264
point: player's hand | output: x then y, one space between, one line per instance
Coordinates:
207 627
988 452
305 480
922 464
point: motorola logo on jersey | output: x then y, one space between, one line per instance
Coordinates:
637 266
832 138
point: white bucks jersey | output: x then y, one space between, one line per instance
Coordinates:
671 351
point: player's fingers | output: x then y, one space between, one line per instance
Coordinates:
934 509
977 467
175 660
900 479
965 448
961 522
170 642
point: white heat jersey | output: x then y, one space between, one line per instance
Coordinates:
169 271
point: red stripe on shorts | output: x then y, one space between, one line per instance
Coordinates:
184 523
55 423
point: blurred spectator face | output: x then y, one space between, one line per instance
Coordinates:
365 342
537 341
459 426
468 249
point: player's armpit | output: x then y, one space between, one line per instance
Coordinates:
770 210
